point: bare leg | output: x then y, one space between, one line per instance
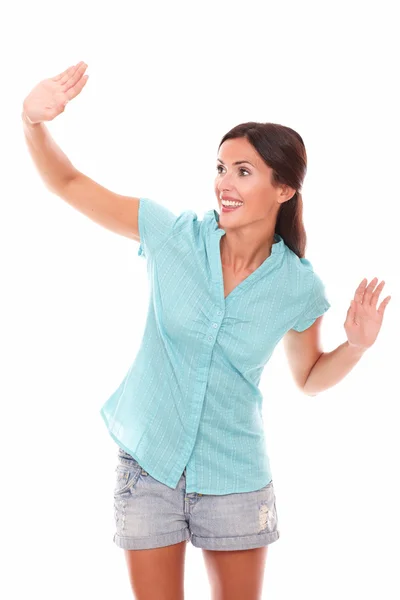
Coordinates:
236 574
157 573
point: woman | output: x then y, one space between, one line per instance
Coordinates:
187 417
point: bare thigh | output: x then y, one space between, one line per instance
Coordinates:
236 574
157 573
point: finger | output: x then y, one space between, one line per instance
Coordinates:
71 74
368 291
73 79
359 293
375 295
64 73
383 305
74 91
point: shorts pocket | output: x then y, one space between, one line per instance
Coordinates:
127 477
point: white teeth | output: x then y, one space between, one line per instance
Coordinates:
231 203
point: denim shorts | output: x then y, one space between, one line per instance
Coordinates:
150 514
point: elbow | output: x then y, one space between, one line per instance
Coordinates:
307 392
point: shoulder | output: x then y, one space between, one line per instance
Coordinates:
188 222
301 269
186 218
305 283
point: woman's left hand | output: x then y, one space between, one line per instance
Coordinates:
364 320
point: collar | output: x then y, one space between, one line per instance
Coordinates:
213 216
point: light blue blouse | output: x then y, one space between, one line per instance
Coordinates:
191 397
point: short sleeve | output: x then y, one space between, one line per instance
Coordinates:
316 306
155 223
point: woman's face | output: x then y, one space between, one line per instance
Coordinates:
248 182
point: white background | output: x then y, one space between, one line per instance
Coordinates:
166 82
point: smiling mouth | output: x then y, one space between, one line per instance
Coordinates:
230 208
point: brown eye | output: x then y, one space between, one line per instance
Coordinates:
241 169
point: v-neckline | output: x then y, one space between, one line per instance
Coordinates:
216 234
251 278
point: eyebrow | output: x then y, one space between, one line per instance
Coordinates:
238 162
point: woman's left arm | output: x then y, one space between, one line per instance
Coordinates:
362 326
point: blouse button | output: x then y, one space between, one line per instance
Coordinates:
215 325
209 338
219 312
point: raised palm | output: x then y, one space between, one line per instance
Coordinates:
48 99
364 319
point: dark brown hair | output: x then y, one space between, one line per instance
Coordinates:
282 149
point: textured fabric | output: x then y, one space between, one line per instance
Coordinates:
149 514
191 397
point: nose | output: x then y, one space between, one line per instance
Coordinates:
225 179
224 185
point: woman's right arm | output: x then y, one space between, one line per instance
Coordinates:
47 100
54 167
113 211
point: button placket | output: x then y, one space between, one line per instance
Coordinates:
215 326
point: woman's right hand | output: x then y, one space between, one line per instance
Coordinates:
48 99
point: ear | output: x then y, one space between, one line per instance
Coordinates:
286 193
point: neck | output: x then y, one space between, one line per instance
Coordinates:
244 255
